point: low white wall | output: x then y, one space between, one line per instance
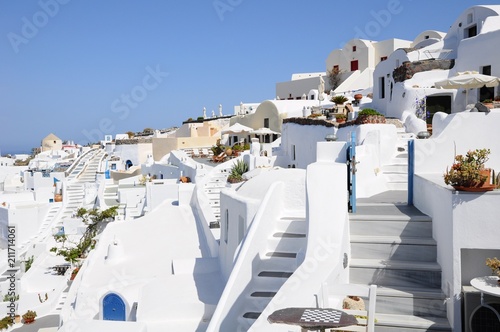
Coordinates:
461 220
456 134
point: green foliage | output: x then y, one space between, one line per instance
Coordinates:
487 101
340 99
200 118
28 263
6 322
94 219
334 77
30 314
238 169
340 116
8 298
368 111
218 148
466 170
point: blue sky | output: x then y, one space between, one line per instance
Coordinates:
81 69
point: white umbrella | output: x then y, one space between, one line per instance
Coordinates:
264 131
237 129
468 80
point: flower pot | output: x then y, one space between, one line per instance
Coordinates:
358 96
481 187
29 320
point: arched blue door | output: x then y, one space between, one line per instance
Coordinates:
113 308
128 164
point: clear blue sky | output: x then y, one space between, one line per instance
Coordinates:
79 68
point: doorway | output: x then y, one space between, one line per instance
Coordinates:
434 104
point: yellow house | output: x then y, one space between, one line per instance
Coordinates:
51 142
193 134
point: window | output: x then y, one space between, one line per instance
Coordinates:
266 123
241 228
426 37
470 31
336 68
382 87
354 48
383 58
484 92
354 65
293 152
226 226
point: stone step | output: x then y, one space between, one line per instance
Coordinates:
406 323
388 212
395 168
426 302
391 228
394 248
396 176
392 273
277 264
291 226
285 244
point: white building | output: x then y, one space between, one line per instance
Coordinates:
409 75
355 62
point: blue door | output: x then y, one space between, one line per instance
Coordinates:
113 307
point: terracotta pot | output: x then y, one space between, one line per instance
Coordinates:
482 187
57 198
29 320
358 96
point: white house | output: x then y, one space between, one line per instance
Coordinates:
409 75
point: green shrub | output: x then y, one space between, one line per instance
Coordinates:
6 322
369 111
237 171
340 99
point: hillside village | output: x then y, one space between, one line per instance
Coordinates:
219 223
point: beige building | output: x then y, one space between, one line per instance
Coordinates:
51 142
195 134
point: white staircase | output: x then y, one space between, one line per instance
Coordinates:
396 171
392 247
276 264
212 189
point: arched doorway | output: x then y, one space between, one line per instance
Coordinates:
128 164
113 308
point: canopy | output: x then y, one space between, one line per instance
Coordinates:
468 80
237 129
264 131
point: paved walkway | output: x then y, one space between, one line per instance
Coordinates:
42 322
387 197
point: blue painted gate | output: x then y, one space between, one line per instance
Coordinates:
113 308
351 173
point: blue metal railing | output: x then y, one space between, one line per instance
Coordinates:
411 169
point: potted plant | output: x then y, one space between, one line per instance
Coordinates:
29 317
339 100
494 265
468 172
74 273
340 118
369 115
